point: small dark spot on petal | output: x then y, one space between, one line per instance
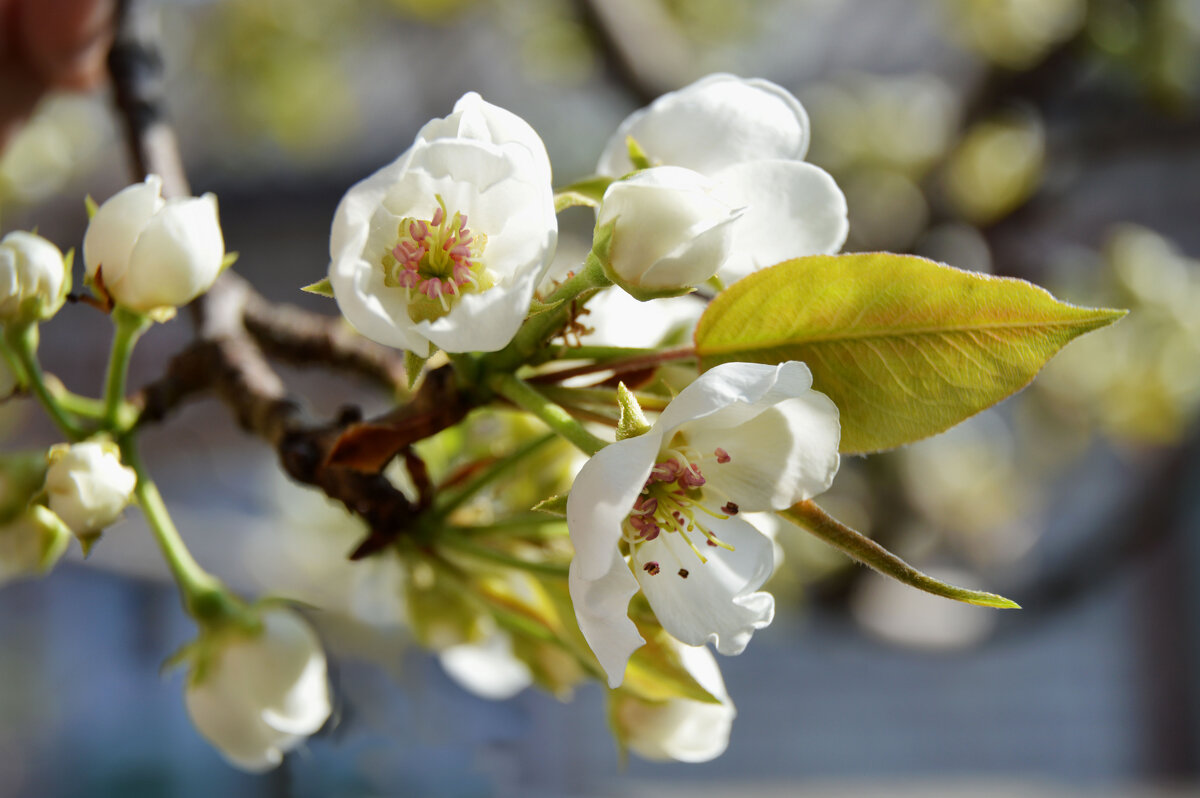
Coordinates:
683 573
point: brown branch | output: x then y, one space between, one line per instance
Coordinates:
293 335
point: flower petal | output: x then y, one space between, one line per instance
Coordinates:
113 231
489 668
681 729
177 257
740 390
716 601
715 122
602 610
792 209
476 119
785 454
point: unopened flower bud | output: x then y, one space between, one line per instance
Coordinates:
669 232
86 485
153 253
257 695
31 544
34 280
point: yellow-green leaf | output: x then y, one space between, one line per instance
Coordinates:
905 347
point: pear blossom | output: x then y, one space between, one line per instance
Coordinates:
750 137
662 511
681 729
87 486
665 231
153 253
488 668
256 696
34 279
444 247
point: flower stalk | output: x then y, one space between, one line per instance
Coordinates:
558 419
23 341
129 328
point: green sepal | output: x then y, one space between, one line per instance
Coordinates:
413 364
90 205
555 505
586 193
656 673
537 307
228 261
637 155
633 421
321 287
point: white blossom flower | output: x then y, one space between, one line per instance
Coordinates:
33 278
257 696
661 511
750 137
681 729
445 246
153 253
669 233
87 486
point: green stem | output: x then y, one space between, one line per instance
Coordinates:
493 472
592 353
531 339
13 363
464 546
129 327
523 396
869 553
601 396
636 363
23 340
518 523
204 596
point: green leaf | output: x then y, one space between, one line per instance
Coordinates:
587 193
320 288
866 551
905 347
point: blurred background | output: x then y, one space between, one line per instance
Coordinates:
1053 140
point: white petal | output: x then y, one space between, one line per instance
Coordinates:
716 602
785 454
740 390
177 257
284 673
717 121
617 319
601 498
602 610
113 231
681 729
792 209
476 119
487 668
241 737
483 322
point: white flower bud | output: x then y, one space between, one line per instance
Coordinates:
669 233
31 544
256 697
153 253
87 486
33 278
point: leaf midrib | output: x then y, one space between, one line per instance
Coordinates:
898 333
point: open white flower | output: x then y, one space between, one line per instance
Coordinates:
661 511
750 137
34 280
667 232
257 696
153 253
87 486
445 246
681 729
